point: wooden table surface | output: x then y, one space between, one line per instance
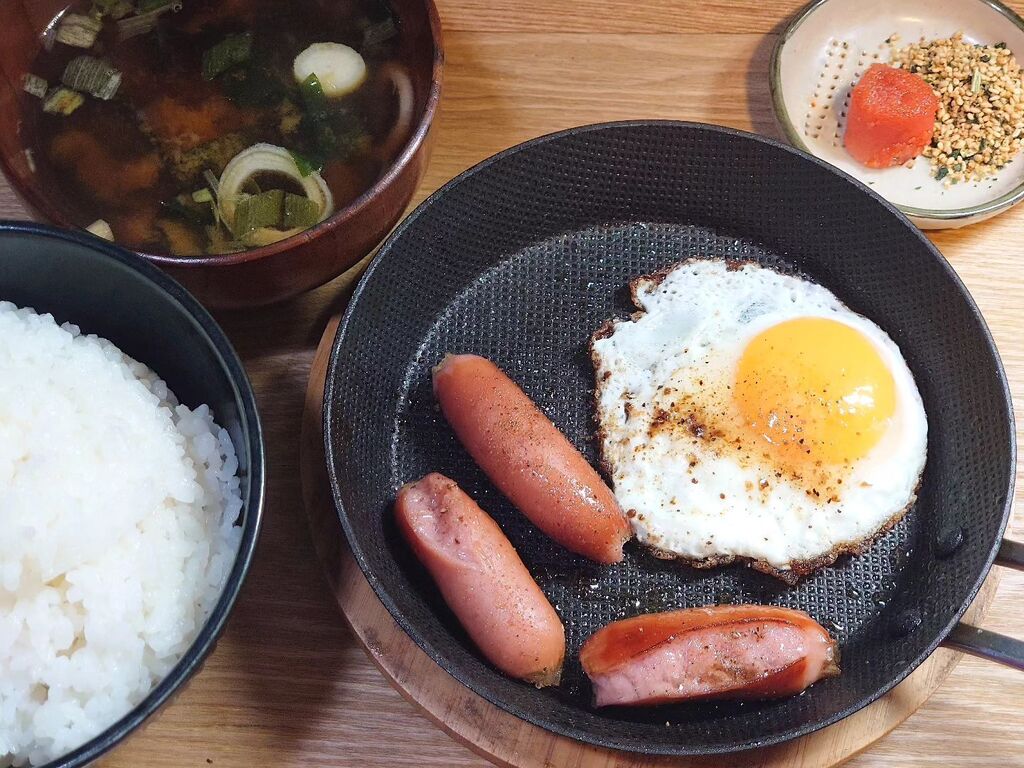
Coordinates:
288 684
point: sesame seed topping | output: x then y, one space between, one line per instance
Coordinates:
980 123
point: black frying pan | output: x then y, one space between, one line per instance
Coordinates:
520 259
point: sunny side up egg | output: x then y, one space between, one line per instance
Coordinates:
744 413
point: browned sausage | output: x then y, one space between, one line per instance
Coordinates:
530 461
482 579
718 652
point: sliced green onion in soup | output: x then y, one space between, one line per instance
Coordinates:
313 95
338 68
238 209
299 212
93 76
62 101
254 212
305 164
229 52
114 9
78 31
145 20
35 85
148 6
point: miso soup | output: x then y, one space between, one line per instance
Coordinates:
196 127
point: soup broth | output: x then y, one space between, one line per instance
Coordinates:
196 128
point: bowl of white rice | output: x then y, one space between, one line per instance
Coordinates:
131 492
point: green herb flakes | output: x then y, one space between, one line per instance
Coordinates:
229 52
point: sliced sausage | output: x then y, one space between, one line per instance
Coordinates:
482 579
530 461
718 652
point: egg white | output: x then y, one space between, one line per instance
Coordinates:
688 500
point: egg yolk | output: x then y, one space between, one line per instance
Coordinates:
815 392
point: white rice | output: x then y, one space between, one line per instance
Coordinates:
117 512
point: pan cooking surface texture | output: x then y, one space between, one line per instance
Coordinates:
520 260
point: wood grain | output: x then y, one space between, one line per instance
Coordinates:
289 685
619 17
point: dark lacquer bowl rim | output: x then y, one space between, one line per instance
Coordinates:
213 336
339 218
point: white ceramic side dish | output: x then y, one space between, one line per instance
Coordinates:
823 52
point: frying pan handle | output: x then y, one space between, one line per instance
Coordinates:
1011 555
986 645
991 645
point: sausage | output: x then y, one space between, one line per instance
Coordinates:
530 461
717 652
482 579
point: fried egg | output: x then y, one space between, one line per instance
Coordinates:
744 413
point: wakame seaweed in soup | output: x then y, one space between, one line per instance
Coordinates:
196 127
